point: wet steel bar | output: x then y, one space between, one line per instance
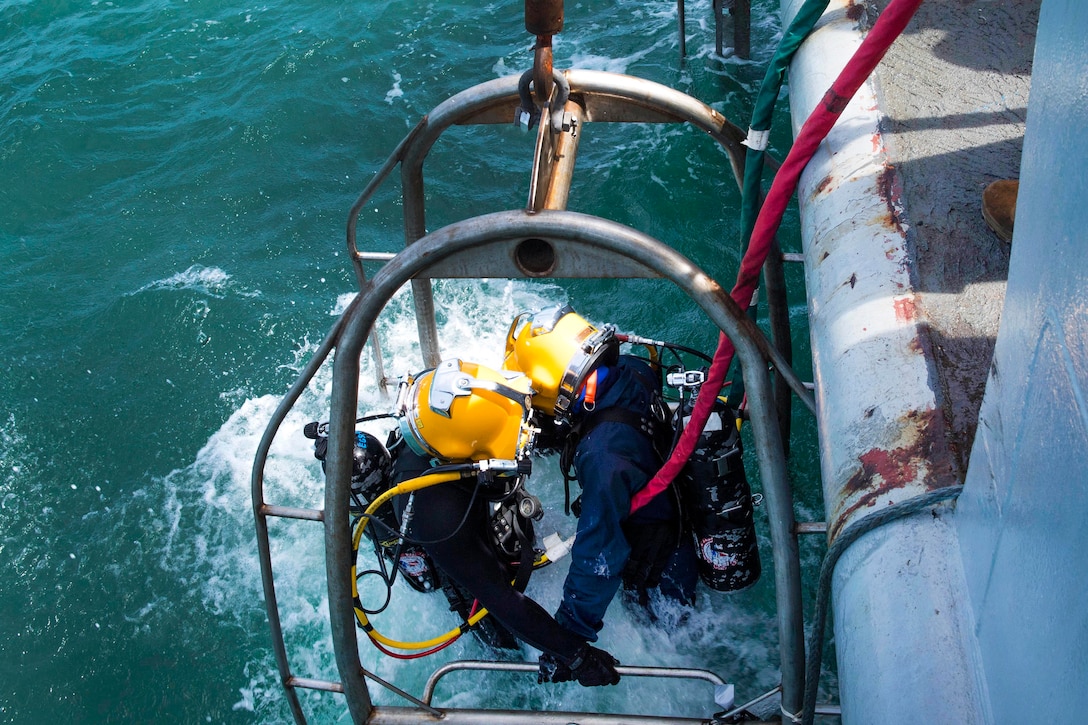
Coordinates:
533 668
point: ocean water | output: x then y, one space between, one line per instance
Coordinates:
176 181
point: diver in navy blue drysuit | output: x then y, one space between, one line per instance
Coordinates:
615 457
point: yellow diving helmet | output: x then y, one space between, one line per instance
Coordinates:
557 349
461 411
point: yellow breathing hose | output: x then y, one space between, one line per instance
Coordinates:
412 484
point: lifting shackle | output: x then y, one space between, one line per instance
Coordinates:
543 18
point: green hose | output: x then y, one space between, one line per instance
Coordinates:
762 113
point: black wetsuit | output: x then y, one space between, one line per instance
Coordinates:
468 556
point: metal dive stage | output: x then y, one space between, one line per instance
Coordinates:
541 241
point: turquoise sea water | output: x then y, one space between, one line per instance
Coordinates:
176 181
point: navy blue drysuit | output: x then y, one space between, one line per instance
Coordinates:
613 460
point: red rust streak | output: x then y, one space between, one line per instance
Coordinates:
883 471
891 191
905 310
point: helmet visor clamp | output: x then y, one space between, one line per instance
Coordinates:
462 411
598 348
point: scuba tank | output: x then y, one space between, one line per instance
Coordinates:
718 503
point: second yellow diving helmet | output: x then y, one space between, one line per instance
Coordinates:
557 349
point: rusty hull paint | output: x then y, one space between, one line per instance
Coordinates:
905 309
882 429
890 190
887 437
922 462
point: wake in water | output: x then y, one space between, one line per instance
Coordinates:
173 231
210 281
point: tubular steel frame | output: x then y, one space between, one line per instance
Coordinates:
491 244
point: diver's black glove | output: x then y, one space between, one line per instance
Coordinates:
590 667
552 670
593 667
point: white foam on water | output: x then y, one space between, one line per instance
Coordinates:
395 92
211 497
12 456
211 281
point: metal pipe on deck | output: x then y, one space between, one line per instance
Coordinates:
902 633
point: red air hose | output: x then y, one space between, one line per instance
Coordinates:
886 29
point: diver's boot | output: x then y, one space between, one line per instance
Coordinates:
999 206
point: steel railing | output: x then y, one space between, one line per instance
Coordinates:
534 242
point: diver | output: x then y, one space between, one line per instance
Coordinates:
606 411
462 412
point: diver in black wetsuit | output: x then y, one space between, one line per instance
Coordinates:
452 521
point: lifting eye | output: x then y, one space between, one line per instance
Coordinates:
535 257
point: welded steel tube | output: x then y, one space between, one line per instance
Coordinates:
677 673
261 508
290 512
774 280
409 716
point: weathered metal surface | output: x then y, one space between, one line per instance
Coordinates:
1021 516
544 17
553 161
883 433
880 415
538 258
